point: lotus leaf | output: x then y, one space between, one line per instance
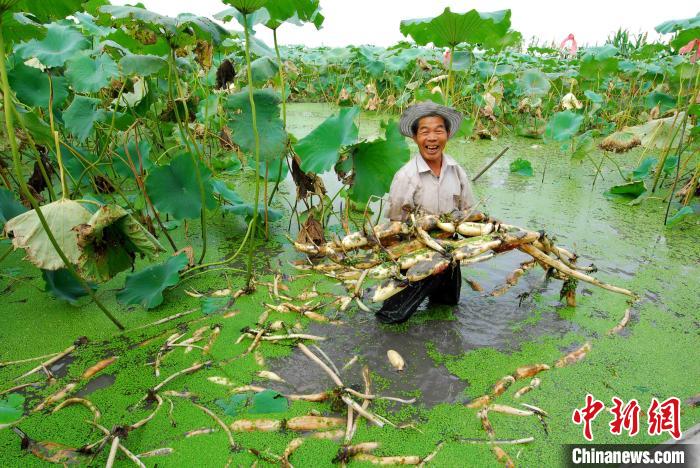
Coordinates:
146 286
28 234
174 189
533 83
130 155
628 191
82 115
246 6
293 11
61 43
374 163
263 69
110 241
320 149
489 30
268 401
563 125
63 285
11 408
9 206
31 86
88 75
521 167
142 65
273 138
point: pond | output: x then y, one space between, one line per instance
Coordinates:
452 354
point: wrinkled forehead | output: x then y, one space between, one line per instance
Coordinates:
431 121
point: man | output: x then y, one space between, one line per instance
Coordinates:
433 183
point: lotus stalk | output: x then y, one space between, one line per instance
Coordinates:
195 161
17 165
251 249
283 91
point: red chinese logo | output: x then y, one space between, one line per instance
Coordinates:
665 417
587 414
626 417
662 417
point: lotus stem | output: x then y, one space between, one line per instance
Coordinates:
283 91
251 250
195 160
546 259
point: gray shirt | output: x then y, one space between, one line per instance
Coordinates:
415 186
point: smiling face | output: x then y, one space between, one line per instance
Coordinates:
431 137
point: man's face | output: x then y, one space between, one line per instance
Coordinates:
431 138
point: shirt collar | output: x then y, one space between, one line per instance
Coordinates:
423 166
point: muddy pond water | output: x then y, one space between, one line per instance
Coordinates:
566 205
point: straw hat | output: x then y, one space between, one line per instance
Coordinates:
417 111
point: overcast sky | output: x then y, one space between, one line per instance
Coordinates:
377 21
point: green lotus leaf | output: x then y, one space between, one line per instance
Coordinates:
293 11
533 83
258 17
268 401
584 145
563 126
375 68
212 305
40 130
87 22
109 242
208 108
127 43
489 30
178 29
60 44
28 234
593 96
682 214
143 65
45 11
595 69
645 168
273 138
272 168
462 60
221 188
82 115
521 167
628 191
9 206
88 75
31 86
173 189
676 25
130 155
146 286
263 69
63 285
320 149
664 101
246 210
11 408
246 6
374 163
235 404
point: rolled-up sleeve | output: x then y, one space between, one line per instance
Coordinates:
400 196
